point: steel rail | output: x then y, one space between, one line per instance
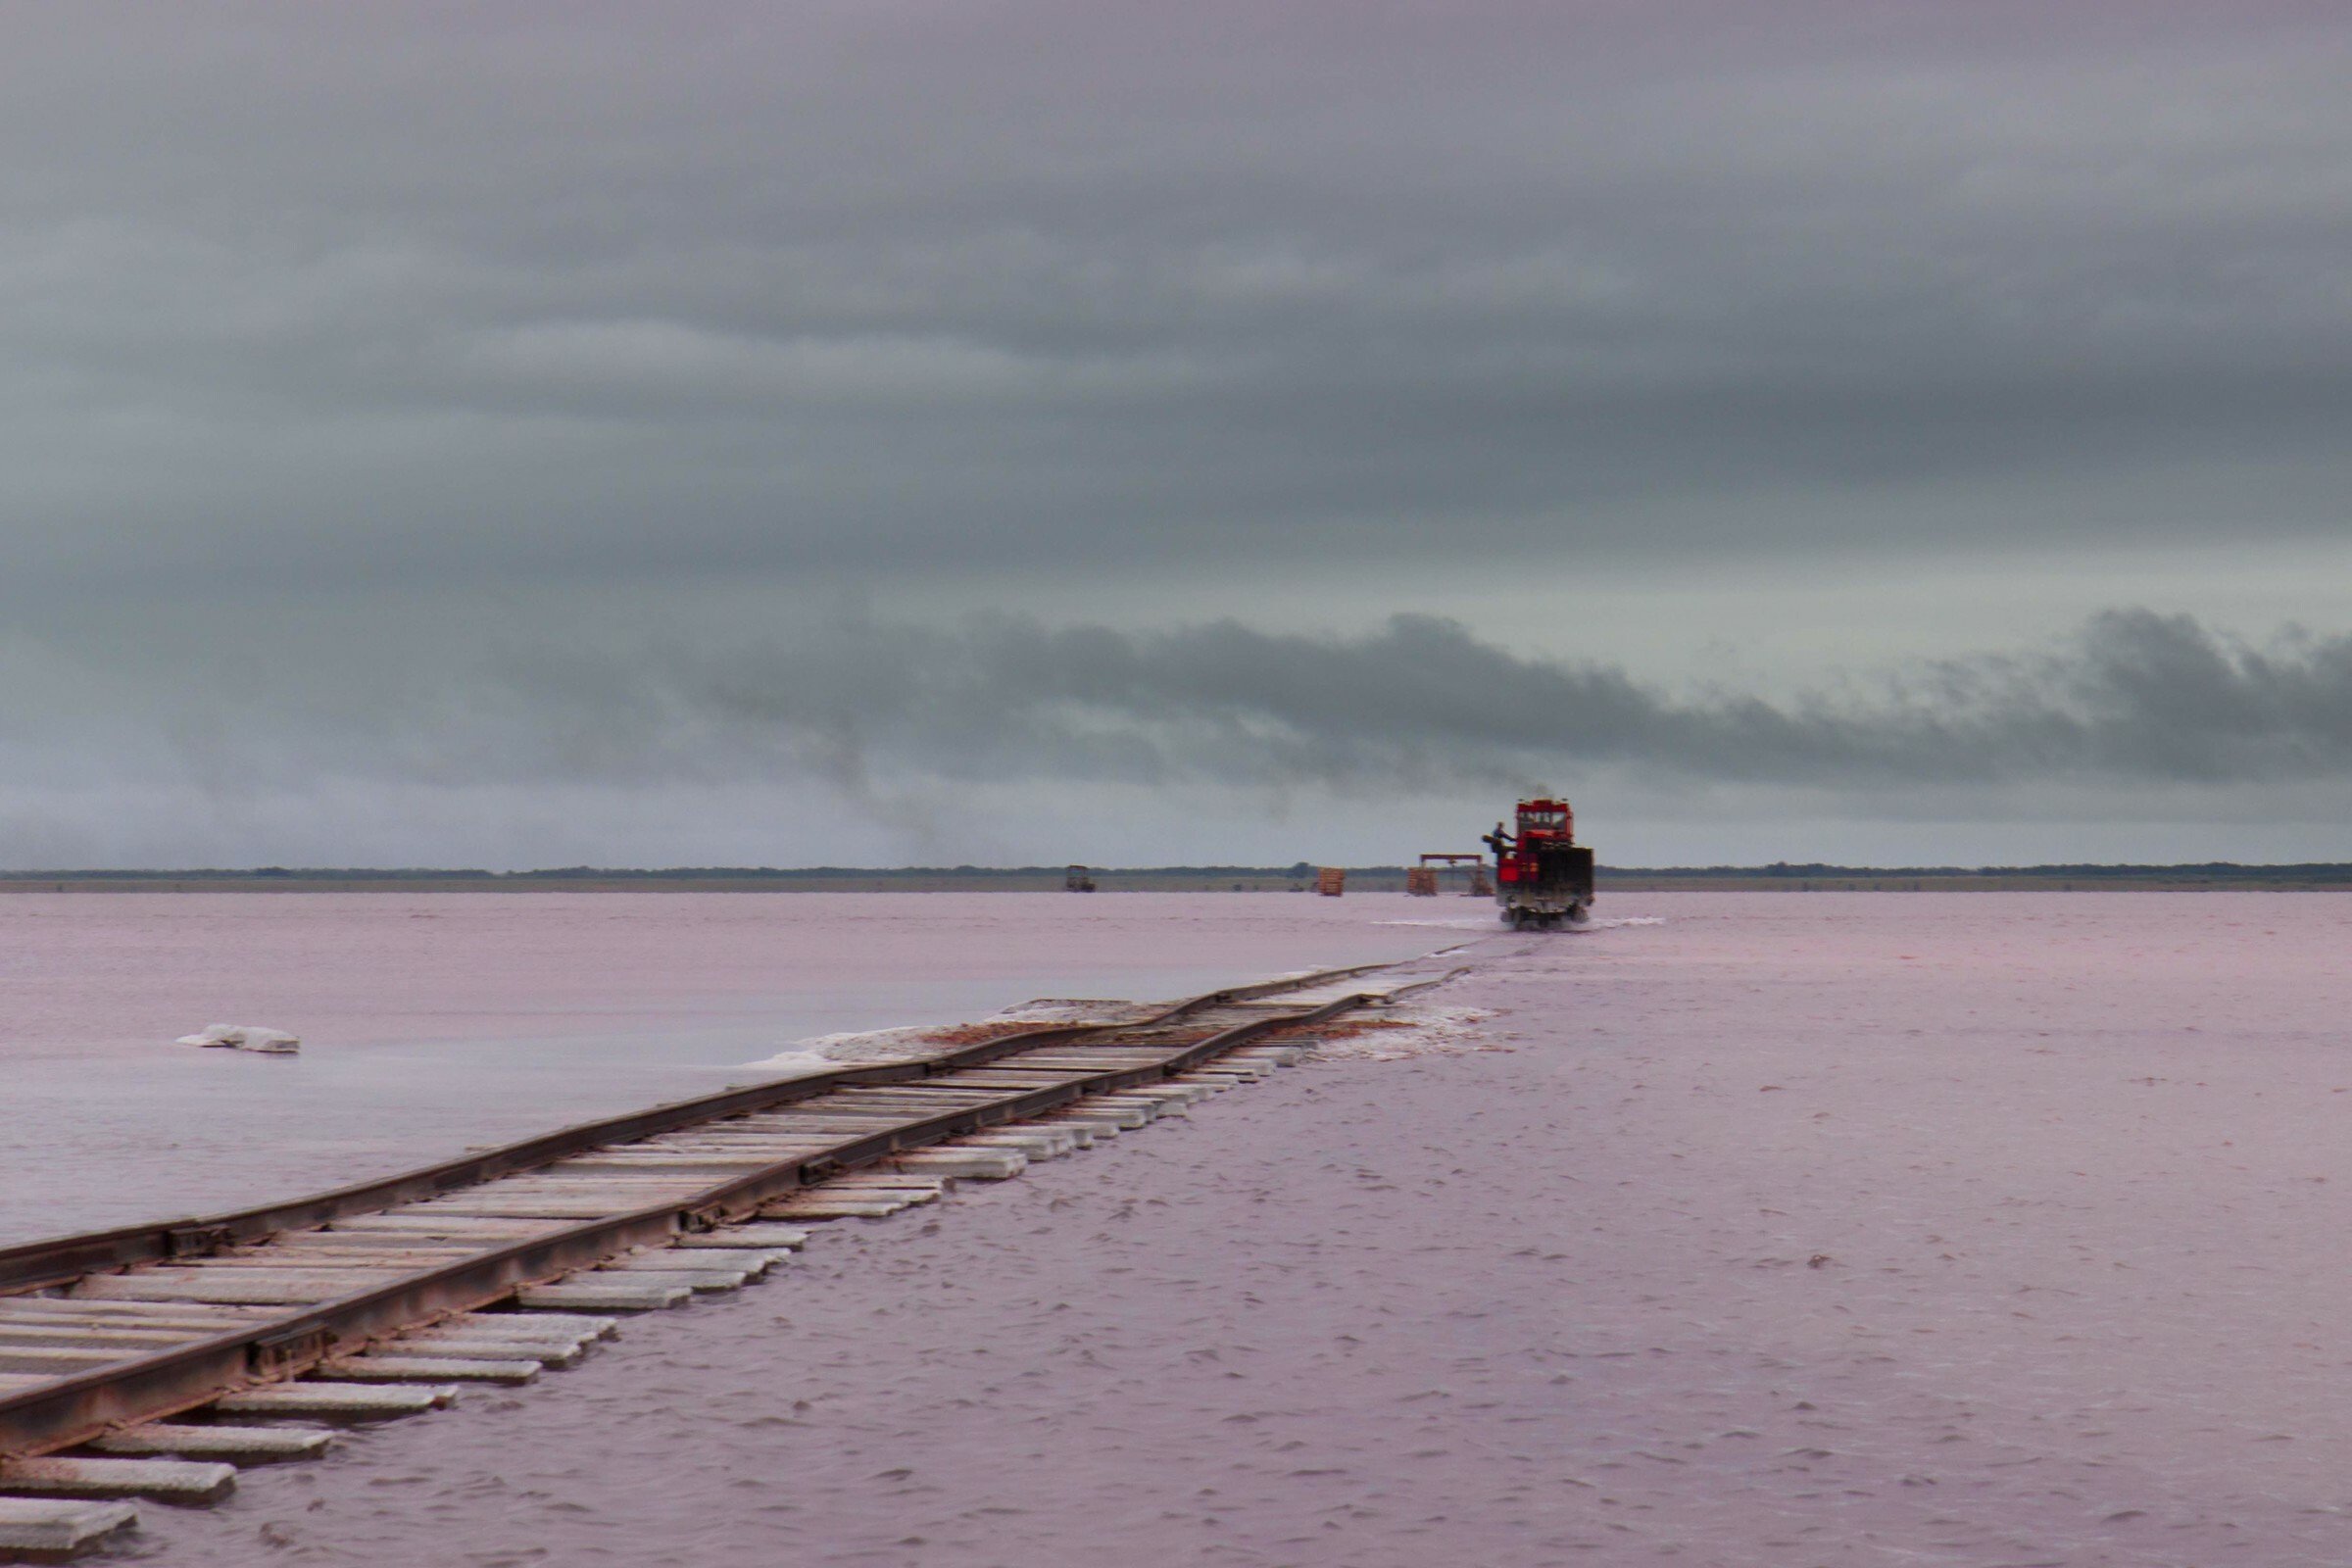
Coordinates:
55 1260
72 1409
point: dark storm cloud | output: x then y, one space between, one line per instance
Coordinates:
298 294
2134 697
2131 698
934 741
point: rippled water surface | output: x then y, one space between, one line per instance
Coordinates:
1795 1229
434 1021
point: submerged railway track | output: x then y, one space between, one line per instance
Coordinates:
150 1360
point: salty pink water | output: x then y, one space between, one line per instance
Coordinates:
435 1021
1796 1229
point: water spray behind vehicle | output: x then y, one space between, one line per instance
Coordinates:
1543 877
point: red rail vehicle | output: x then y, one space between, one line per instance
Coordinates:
1543 877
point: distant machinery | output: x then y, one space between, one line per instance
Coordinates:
1077 880
1423 880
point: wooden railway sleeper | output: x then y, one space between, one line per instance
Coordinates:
357 1331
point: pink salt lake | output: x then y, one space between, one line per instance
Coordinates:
1796 1229
431 1023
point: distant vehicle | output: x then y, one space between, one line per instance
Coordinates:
1078 880
1543 877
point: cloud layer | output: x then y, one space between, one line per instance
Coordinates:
2134 697
905 729
330 335
296 295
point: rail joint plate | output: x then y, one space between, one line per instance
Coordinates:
195 1241
281 1352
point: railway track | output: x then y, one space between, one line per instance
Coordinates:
150 1361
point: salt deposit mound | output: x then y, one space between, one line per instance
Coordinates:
245 1037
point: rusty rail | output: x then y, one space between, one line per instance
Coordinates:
72 1409
34 1266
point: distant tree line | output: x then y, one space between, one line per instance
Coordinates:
1298 871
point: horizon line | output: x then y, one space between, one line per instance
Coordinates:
1776 868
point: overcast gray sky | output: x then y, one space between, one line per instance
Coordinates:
864 433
